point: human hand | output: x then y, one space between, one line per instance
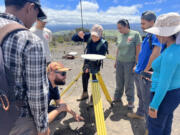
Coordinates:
134 68
77 117
152 113
81 34
47 132
87 70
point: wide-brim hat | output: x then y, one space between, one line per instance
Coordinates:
166 25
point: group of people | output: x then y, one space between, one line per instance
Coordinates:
156 56
37 78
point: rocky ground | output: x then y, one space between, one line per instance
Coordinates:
117 123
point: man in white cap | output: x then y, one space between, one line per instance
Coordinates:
95 45
44 34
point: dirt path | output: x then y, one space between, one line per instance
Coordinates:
116 121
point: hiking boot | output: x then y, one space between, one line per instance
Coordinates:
135 116
84 96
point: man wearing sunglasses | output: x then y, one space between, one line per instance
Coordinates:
57 76
24 56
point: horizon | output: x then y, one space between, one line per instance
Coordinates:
67 12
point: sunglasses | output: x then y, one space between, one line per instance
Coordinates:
62 73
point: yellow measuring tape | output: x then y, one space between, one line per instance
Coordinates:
98 109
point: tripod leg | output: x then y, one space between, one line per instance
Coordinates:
98 109
104 88
70 85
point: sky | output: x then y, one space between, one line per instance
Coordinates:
102 11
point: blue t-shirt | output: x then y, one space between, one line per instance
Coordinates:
146 52
53 93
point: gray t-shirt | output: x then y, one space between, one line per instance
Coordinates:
126 44
45 35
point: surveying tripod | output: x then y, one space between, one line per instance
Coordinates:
97 102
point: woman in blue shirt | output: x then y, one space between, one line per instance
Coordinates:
165 90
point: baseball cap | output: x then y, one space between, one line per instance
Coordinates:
57 66
97 30
41 12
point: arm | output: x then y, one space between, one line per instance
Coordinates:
81 37
37 86
138 48
117 51
60 102
167 70
155 53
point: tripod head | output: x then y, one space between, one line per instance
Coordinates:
93 60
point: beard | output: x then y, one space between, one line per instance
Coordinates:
59 82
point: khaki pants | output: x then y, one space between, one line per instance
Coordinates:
24 126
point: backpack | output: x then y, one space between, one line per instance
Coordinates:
9 111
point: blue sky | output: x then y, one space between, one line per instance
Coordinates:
103 11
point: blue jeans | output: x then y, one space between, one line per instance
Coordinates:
162 125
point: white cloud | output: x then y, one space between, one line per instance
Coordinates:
92 14
88 6
2 9
155 2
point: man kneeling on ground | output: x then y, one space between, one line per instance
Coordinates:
57 76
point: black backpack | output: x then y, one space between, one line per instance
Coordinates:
9 111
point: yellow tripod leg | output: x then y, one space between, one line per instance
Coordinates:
110 57
104 88
98 109
70 85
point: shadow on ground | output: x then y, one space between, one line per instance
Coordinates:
88 127
120 112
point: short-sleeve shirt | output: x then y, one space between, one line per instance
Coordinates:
126 44
146 52
53 93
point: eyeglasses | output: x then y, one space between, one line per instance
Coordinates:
62 73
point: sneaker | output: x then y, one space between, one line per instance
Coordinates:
135 116
83 97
